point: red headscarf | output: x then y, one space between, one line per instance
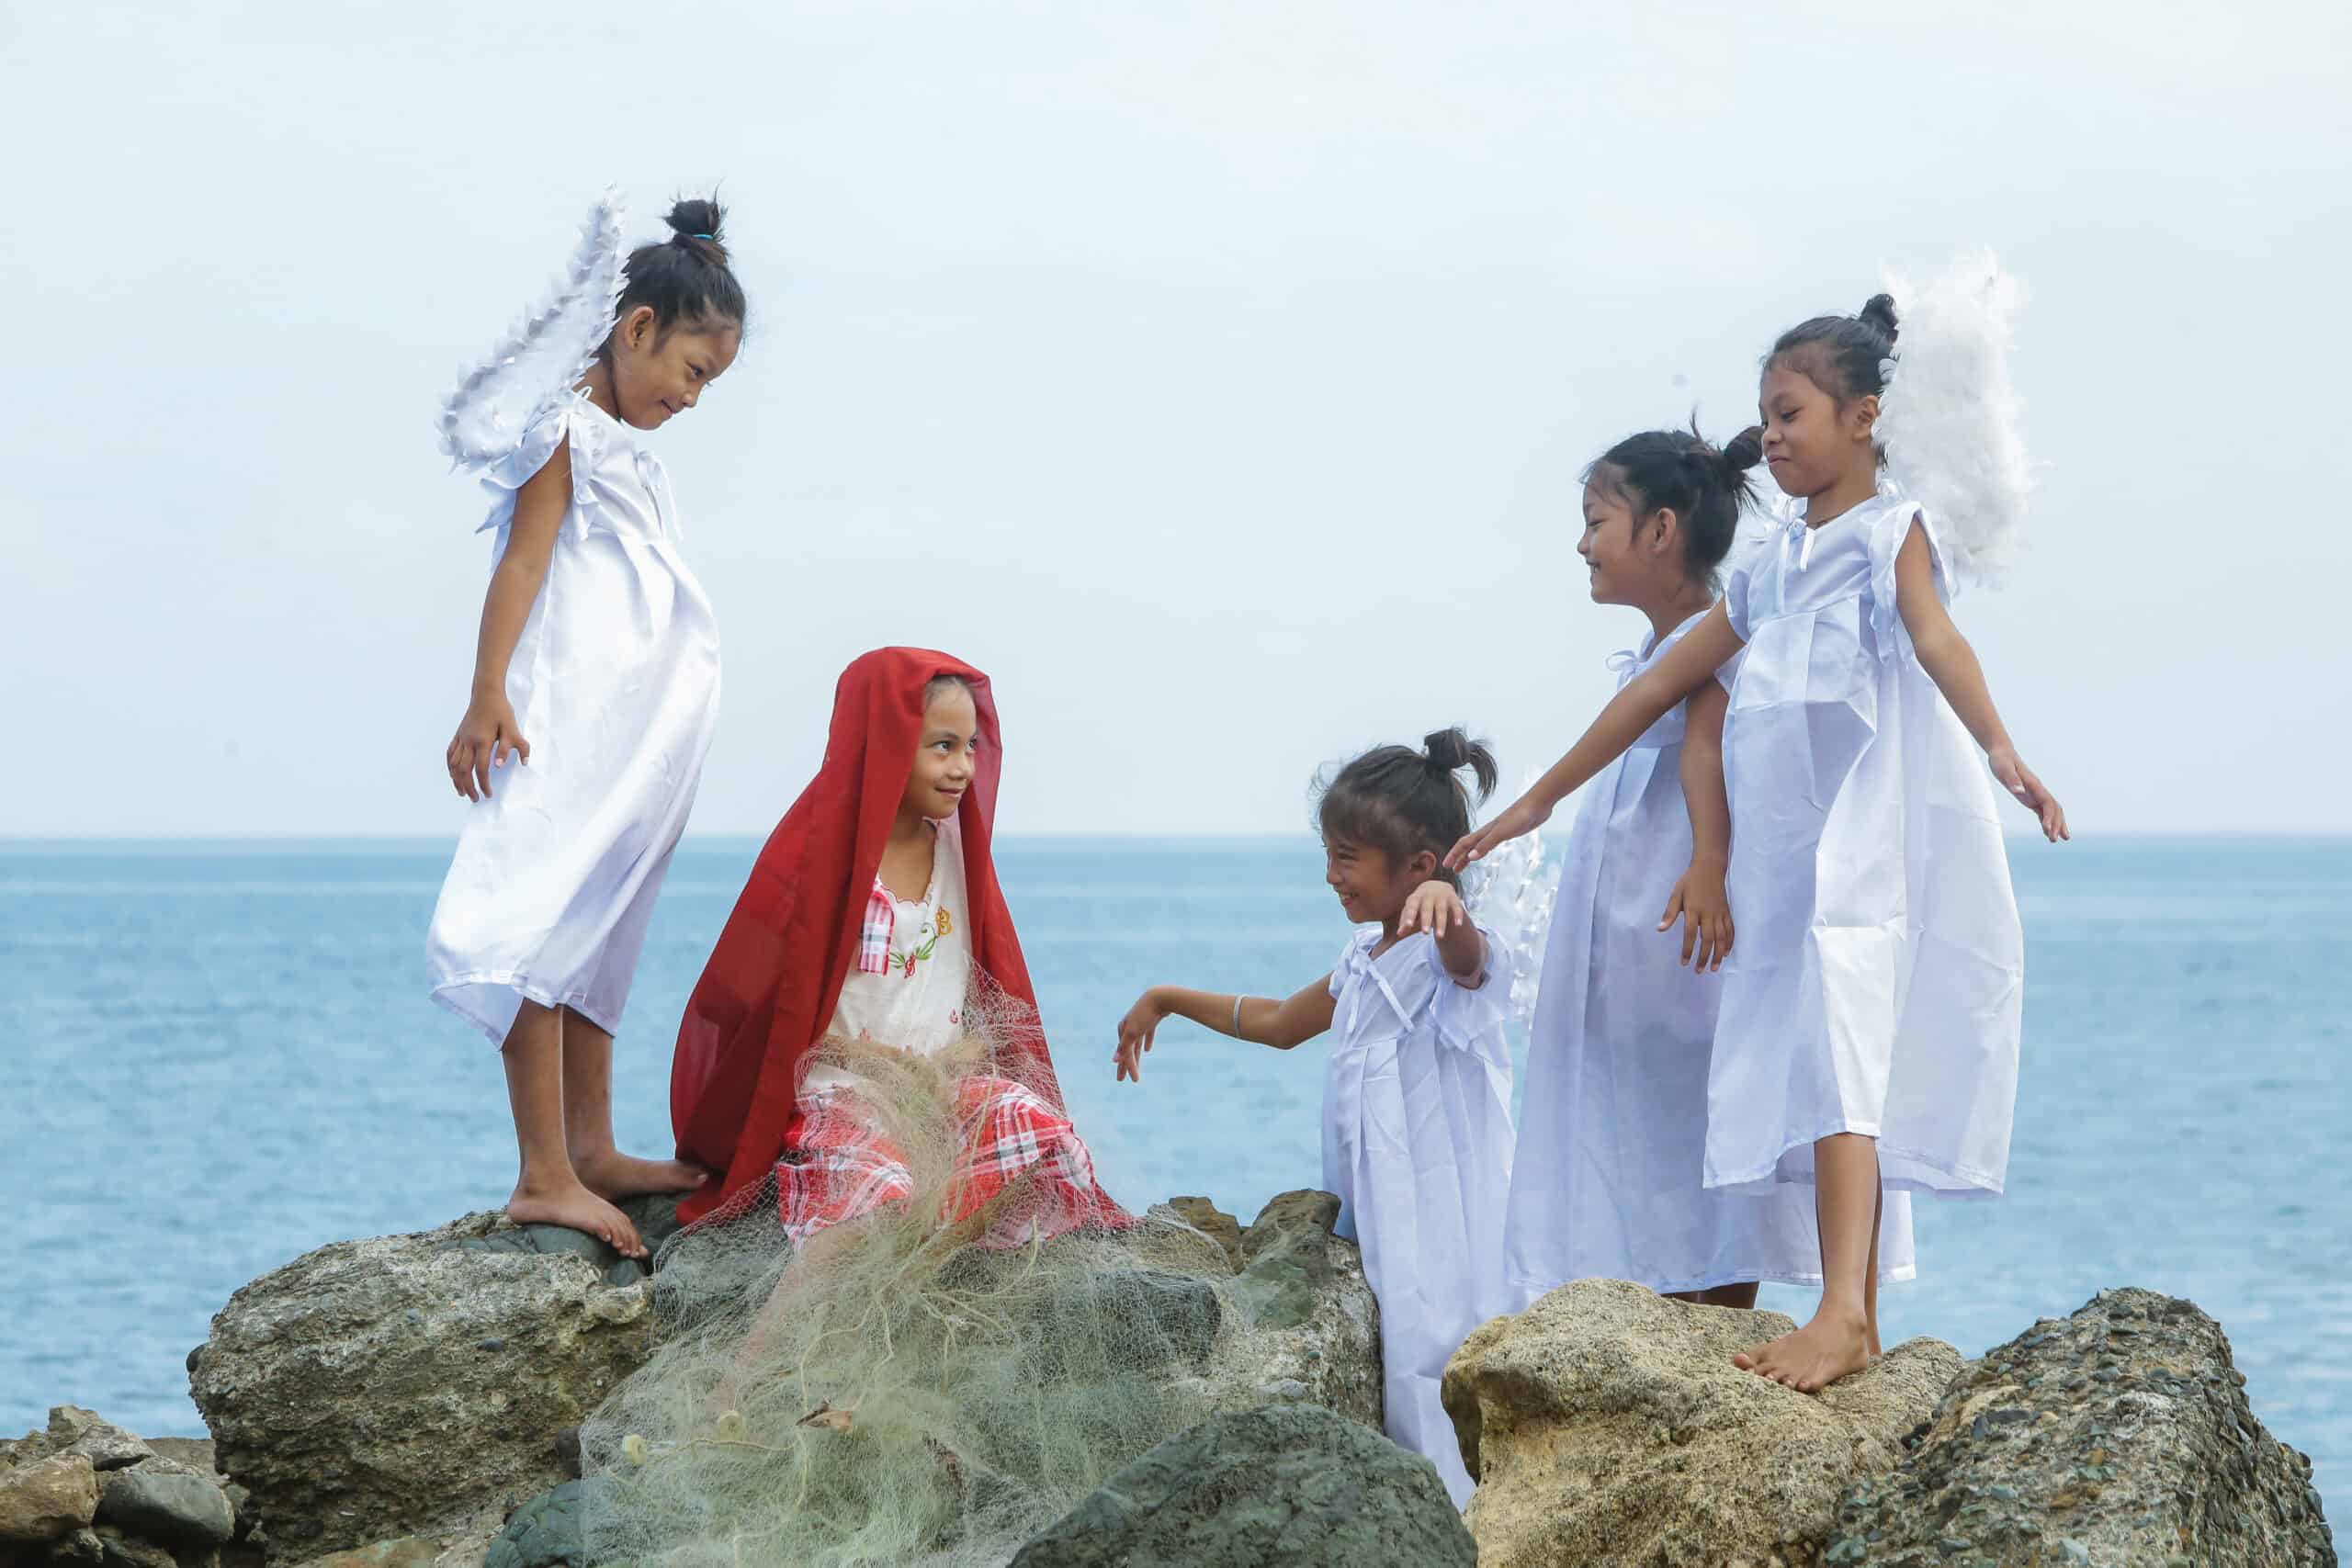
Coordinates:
776 976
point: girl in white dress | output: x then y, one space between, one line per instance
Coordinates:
1417 1133
596 672
1608 1178
1868 1036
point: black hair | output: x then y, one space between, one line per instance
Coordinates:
1841 354
1400 801
1679 470
685 278
938 686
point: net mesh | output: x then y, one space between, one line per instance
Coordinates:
930 1383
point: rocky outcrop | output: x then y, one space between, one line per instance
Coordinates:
415 1387
1607 1425
373 1388
2119 1436
1294 1484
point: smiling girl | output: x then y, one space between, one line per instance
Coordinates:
1416 1095
1868 1036
599 653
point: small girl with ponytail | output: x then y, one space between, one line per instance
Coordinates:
595 673
1867 1041
1606 1182
1416 1134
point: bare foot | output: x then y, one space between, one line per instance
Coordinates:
576 1208
1814 1356
612 1174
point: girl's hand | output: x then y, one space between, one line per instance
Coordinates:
1698 901
1435 907
1521 815
484 737
2018 779
1135 1031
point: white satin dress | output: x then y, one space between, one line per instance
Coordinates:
1416 1143
615 683
1877 982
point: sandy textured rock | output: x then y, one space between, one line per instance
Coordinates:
372 1388
1607 1425
1291 1485
2119 1436
408 1551
48 1498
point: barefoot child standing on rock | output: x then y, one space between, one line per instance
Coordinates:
1868 1036
1417 1138
597 674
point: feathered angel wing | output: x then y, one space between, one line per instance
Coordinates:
1949 417
545 351
1512 893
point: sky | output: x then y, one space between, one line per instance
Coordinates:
1218 375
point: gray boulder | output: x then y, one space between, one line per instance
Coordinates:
1293 1484
2119 1436
546 1532
385 1388
160 1501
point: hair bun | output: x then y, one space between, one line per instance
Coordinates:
699 225
1879 311
1449 750
1742 452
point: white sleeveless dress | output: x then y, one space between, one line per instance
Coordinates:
1609 1179
1878 977
615 683
1416 1143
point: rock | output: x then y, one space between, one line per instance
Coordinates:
48 1498
350 1391
83 1546
1300 1313
1210 1221
161 1502
544 1532
408 1551
194 1452
74 1430
2037 1454
118 1550
1607 1425
1293 1485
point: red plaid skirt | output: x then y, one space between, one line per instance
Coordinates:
844 1166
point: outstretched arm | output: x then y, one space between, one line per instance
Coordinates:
1699 898
489 730
1262 1020
1945 655
1688 665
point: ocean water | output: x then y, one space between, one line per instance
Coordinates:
214 1057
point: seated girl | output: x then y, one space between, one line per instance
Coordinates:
872 940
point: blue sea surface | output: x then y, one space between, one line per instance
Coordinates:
216 1057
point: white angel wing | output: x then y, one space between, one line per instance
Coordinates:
1512 893
545 351
1949 418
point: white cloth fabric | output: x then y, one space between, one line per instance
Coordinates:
918 1003
1876 984
615 683
1416 1143
1609 1179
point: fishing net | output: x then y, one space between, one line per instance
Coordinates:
932 1382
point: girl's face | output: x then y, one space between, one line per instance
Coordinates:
1810 443
1372 886
656 375
1634 559
944 759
